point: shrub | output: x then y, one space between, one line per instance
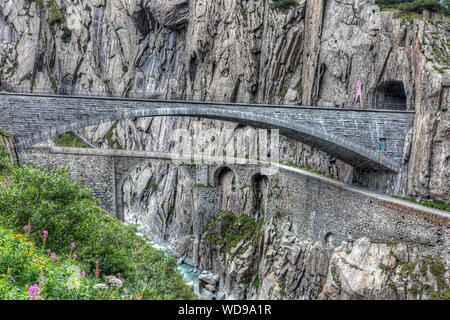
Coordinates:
67 35
47 200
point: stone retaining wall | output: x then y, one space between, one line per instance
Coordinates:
320 209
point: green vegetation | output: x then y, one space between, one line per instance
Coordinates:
282 286
417 271
380 240
53 13
5 163
415 5
237 229
113 144
172 214
4 134
298 87
256 282
67 35
283 5
441 110
22 263
280 215
71 140
44 211
282 93
335 276
432 204
200 185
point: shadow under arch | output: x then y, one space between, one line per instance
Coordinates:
218 174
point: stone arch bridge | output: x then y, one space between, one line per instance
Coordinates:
351 135
318 208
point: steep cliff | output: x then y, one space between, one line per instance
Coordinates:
318 52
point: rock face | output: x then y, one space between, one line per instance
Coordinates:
365 269
330 53
318 52
270 262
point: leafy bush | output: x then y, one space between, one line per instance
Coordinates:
46 200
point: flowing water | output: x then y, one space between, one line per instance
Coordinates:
189 272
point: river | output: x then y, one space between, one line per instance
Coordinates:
189 273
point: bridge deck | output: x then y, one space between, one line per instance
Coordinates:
352 135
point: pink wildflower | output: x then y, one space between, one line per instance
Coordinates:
74 256
45 232
53 256
34 292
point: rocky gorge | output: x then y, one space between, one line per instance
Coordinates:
315 53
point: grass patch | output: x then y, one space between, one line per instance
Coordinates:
237 229
70 140
431 204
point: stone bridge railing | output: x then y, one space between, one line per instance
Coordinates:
352 135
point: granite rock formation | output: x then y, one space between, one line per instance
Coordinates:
318 52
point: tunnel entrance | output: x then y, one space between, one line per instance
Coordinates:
390 95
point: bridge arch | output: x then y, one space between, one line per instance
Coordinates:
322 140
349 135
219 171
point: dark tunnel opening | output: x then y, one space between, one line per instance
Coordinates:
390 95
